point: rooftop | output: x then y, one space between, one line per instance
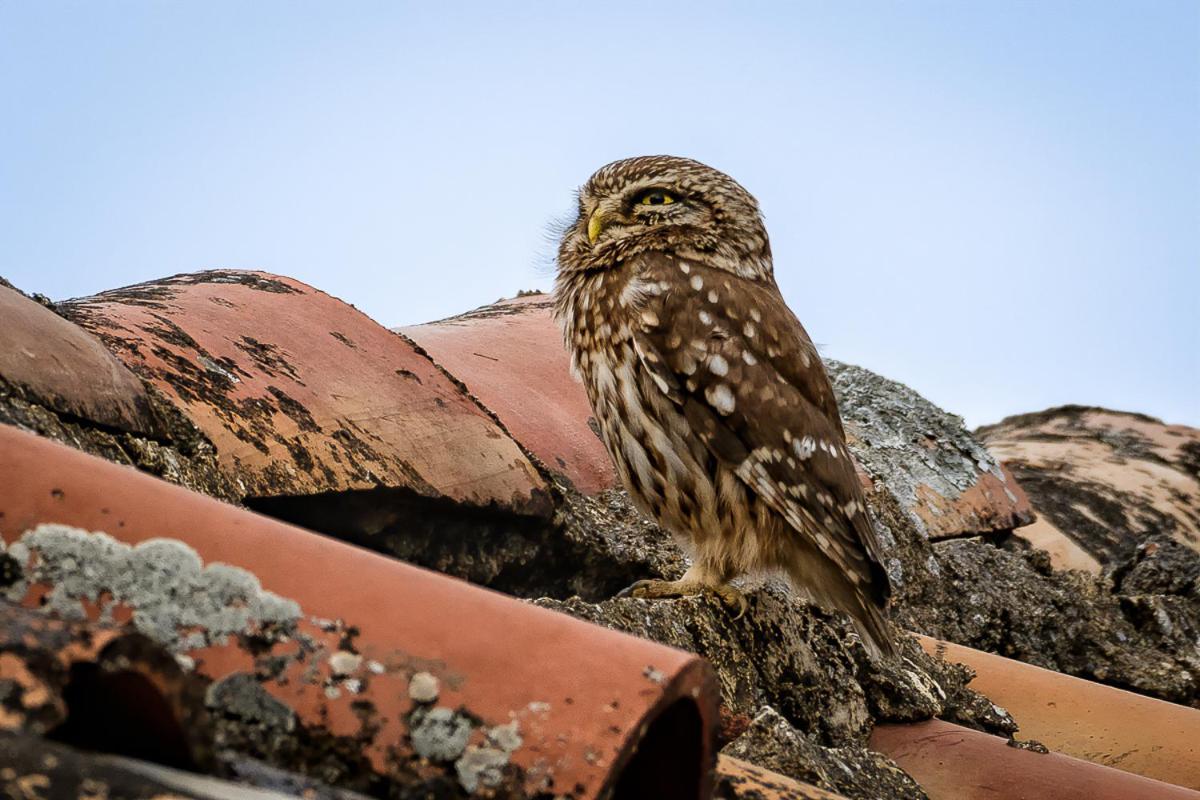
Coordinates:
255 541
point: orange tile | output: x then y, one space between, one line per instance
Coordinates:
592 707
955 763
66 369
1088 720
302 393
745 781
511 356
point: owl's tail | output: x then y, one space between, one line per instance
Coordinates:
830 589
877 634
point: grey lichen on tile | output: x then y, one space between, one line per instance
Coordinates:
173 596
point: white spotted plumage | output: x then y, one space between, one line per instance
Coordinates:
718 416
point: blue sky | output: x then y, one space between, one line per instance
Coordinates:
996 203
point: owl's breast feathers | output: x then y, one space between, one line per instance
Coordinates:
729 353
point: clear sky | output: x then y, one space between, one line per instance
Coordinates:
997 203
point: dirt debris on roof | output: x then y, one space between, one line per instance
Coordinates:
772 742
256 375
1016 605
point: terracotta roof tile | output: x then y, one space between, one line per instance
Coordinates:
84 681
955 763
339 635
423 678
510 355
1088 720
66 369
302 393
1103 480
741 780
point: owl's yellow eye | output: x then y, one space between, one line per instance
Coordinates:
656 197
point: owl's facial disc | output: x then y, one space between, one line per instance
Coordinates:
666 205
632 212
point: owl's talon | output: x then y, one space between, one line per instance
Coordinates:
653 589
743 607
634 589
728 596
732 599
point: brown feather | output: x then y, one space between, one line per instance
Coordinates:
711 398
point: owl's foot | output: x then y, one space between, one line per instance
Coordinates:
729 595
732 598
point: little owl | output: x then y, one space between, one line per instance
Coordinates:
710 397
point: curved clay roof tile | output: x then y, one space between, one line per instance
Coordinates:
427 675
301 393
66 369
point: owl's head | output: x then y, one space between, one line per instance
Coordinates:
670 205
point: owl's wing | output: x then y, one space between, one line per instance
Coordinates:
731 354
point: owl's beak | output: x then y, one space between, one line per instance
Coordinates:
595 225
